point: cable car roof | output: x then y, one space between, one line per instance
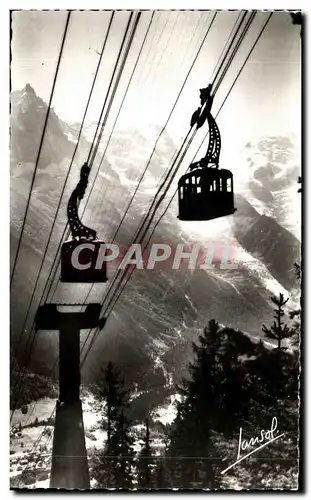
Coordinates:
213 173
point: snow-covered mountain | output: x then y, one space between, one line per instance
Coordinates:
274 166
161 311
129 150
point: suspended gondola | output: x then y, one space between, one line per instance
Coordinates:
82 257
206 192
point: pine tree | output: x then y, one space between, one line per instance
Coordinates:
296 314
115 467
297 269
162 474
191 455
278 330
163 478
112 392
123 444
202 390
232 389
145 465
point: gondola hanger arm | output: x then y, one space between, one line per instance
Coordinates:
201 114
79 230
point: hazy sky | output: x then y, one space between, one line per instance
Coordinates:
265 101
270 83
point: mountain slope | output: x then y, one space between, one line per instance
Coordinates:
161 311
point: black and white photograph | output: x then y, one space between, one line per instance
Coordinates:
156 269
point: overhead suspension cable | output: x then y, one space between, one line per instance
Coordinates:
155 145
63 189
63 236
159 136
229 46
29 340
151 208
184 57
222 59
123 272
116 119
94 149
141 178
93 153
117 116
224 72
236 48
40 146
140 241
227 95
152 212
225 49
157 41
133 268
163 128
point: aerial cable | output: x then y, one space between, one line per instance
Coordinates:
119 111
40 145
219 68
111 80
124 272
227 48
155 70
95 150
227 95
236 48
110 85
93 153
154 37
54 223
141 226
164 192
137 235
35 403
238 74
103 156
164 127
159 136
157 41
62 192
157 64
80 131
102 128
150 209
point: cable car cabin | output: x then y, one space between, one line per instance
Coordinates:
82 257
82 261
205 194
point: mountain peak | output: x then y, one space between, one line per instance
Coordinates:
29 89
